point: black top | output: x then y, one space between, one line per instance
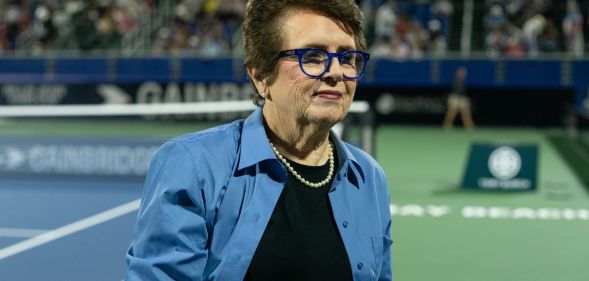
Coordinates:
458 86
301 240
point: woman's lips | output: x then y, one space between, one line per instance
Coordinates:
331 95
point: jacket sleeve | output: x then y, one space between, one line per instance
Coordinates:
384 202
386 267
170 241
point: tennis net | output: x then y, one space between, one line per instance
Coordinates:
157 120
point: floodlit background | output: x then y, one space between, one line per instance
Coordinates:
90 89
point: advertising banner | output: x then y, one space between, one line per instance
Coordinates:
506 167
539 107
76 156
104 93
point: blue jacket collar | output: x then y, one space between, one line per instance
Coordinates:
255 141
254 138
346 157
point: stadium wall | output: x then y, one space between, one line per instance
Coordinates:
504 92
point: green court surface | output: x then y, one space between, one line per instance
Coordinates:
517 236
441 232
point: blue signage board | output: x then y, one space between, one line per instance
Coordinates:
76 156
507 167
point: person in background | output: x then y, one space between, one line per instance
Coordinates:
458 102
572 26
277 196
385 19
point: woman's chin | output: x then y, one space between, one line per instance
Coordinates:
326 117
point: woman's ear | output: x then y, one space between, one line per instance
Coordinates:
261 85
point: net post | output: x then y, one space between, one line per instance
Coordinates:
368 127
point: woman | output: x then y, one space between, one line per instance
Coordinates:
458 102
275 196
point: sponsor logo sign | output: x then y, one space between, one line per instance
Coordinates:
501 167
90 157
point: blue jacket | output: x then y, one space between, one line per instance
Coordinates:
209 195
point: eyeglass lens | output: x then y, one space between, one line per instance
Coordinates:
314 62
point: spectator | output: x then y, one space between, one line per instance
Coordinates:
437 41
513 41
548 39
514 8
400 49
186 10
532 29
417 38
108 36
381 48
179 37
496 17
4 43
514 48
495 42
442 11
17 19
212 41
85 33
572 26
403 25
43 28
122 16
385 20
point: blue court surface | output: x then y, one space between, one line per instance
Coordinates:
66 229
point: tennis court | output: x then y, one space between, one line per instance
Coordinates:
90 89
440 231
467 235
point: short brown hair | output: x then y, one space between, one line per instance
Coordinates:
263 37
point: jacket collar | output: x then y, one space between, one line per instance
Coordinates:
347 159
255 147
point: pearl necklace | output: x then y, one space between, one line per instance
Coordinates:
299 177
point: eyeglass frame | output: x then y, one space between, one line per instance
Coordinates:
339 55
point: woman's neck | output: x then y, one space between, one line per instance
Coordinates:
300 141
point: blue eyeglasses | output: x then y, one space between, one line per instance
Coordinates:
316 62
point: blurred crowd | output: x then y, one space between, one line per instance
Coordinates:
69 24
395 28
404 29
528 28
205 26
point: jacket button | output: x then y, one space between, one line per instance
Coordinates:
345 224
360 266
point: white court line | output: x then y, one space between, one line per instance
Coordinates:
69 229
21 232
